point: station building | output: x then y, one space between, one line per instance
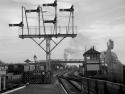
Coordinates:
92 62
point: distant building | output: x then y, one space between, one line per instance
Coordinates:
3 73
37 66
41 65
92 62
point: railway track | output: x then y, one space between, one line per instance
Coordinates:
83 85
66 84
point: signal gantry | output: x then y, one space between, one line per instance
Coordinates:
45 29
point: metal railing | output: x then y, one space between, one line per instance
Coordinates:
34 30
67 60
96 86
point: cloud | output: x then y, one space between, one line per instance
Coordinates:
77 46
97 20
80 42
100 32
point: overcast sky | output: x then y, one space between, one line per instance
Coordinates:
97 21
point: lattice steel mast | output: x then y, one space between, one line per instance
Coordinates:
47 34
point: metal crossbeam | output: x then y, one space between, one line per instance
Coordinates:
50 21
48 35
68 10
53 41
51 4
41 41
56 44
38 44
51 49
19 25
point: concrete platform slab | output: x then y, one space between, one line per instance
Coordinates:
38 89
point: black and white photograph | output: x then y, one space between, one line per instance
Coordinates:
62 46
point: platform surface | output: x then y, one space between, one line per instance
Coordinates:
38 89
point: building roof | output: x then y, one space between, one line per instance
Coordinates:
27 61
91 51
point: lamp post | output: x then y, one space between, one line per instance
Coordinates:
35 58
35 61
